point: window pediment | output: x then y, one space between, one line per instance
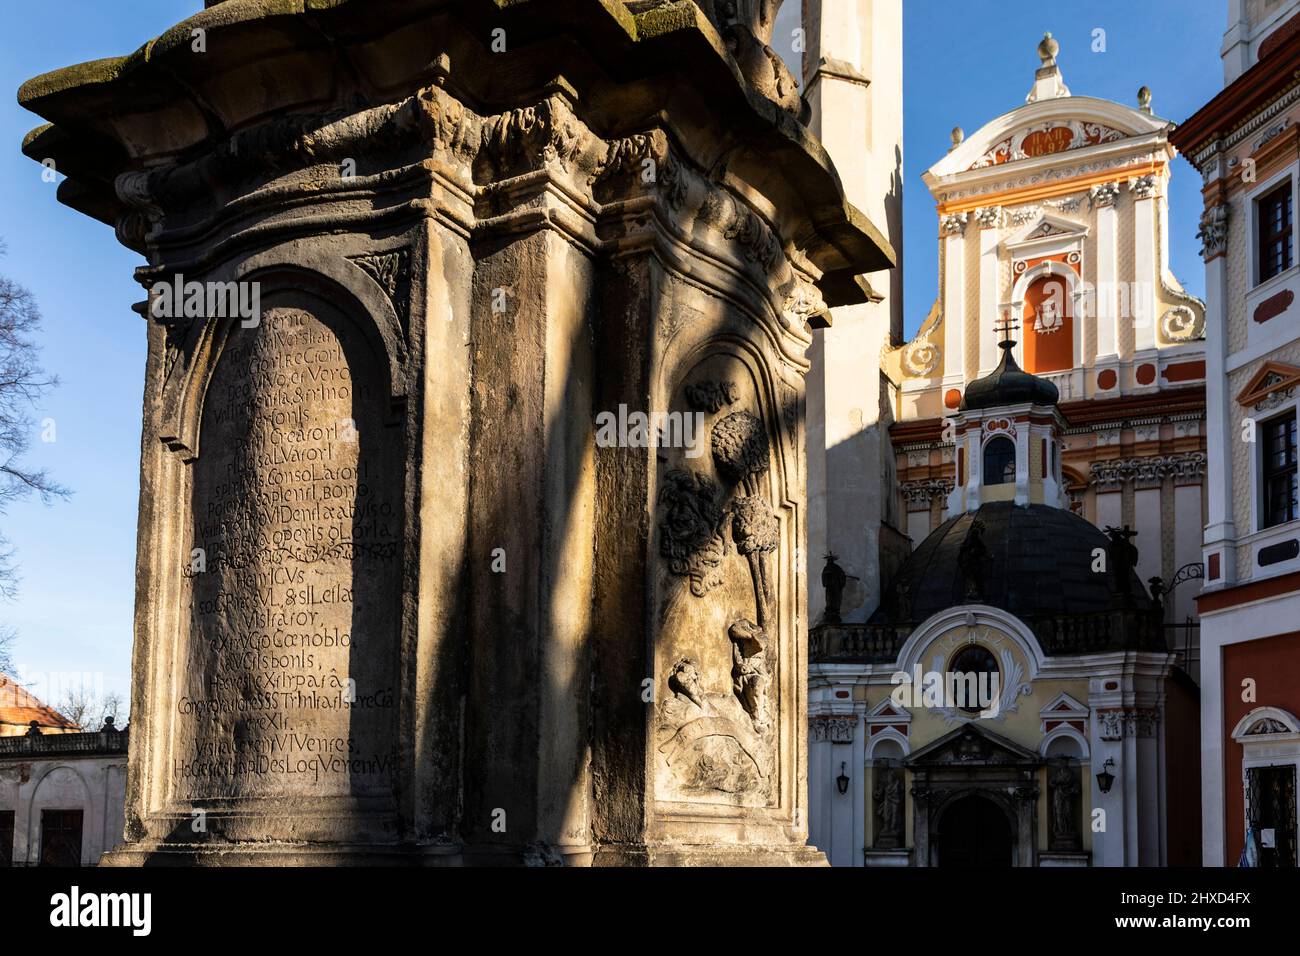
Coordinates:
1271 379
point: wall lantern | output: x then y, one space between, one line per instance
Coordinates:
842 781
1105 779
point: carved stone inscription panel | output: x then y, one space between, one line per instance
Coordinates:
288 679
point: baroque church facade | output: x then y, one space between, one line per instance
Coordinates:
1039 524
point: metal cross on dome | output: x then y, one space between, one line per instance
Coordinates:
1006 326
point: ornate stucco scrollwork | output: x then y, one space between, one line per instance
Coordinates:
989 217
921 356
954 224
1130 722
1213 231
392 272
1181 324
802 302
1144 187
648 158
534 136
1146 472
926 490
1105 194
690 533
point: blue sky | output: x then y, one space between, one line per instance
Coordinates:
965 62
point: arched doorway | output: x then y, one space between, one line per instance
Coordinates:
974 832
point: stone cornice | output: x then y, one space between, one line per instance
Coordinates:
166 104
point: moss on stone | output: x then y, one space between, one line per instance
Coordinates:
81 74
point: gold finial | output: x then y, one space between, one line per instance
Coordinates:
1048 49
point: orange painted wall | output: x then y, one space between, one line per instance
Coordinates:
1052 351
1274 663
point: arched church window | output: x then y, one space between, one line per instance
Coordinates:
999 461
974 668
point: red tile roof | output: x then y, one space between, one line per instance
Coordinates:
19 707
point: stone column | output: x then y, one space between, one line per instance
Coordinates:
990 222
1146 268
1106 305
472 474
953 228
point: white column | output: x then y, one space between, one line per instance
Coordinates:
954 301
1221 443
918 524
989 220
1107 311
1145 268
820 785
1110 506
974 470
1147 518
1187 542
858 789
1022 464
843 824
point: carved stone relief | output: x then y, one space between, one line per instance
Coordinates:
716 732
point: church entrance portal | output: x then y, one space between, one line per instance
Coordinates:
974 832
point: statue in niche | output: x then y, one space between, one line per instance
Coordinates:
888 797
973 560
749 677
833 580
1064 783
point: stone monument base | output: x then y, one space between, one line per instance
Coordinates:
303 854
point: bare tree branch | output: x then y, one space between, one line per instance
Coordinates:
22 384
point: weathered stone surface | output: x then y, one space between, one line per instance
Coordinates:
435 619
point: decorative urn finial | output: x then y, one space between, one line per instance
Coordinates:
958 134
1048 49
1144 99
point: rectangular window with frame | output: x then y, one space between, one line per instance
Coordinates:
1278 471
1273 218
61 838
1271 815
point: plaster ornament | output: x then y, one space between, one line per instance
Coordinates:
1181 324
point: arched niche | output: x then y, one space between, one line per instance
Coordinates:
725 533
286 675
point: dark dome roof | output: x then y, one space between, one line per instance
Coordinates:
1039 564
1009 384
